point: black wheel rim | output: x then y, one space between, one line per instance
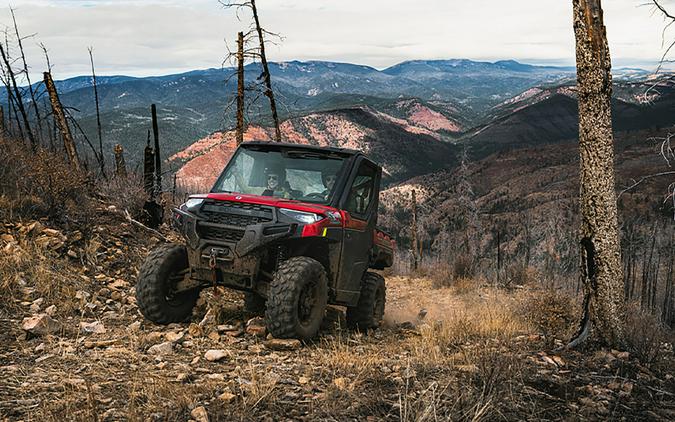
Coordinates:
307 303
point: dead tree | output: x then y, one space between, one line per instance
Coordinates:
599 238
240 88
13 112
101 160
61 122
18 100
158 160
31 91
265 75
413 233
468 212
148 169
120 165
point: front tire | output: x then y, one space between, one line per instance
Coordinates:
297 299
369 312
156 280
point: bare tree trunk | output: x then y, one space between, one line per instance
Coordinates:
25 68
101 161
60 118
413 232
599 237
158 160
51 129
148 169
2 121
12 112
266 74
120 165
17 98
240 88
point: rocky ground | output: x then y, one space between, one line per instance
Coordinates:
73 346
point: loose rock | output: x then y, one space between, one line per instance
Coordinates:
227 397
40 325
200 414
161 348
283 344
214 355
256 327
95 327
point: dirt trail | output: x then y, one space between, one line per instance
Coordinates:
414 300
133 368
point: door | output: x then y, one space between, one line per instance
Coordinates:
359 203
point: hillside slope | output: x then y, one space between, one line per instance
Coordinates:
404 150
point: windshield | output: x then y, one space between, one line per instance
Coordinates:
307 176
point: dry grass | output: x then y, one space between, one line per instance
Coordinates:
30 269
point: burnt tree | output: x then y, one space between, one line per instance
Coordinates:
413 233
18 99
31 91
120 165
61 122
101 160
240 88
600 253
260 54
266 74
158 160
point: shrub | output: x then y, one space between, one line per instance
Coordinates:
39 184
645 334
464 266
554 313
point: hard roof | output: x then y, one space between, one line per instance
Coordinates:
345 151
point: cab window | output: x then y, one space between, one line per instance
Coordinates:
362 190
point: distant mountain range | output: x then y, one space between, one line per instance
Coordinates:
452 99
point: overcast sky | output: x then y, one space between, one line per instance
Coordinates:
153 37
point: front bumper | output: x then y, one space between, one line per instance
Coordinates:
237 257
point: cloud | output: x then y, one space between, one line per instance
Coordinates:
144 37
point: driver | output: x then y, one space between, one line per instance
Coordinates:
277 185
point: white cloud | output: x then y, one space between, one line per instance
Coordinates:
143 37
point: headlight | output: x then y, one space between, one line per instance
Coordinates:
192 204
301 216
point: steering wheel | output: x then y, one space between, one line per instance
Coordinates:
315 195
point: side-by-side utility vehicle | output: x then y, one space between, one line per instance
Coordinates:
292 226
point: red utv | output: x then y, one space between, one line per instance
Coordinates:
292 226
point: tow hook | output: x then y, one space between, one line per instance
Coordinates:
212 265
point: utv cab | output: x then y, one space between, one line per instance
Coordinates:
292 226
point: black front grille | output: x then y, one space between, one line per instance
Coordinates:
234 214
219 233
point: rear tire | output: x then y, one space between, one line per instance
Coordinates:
368 313
297 299
254 304
154 295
